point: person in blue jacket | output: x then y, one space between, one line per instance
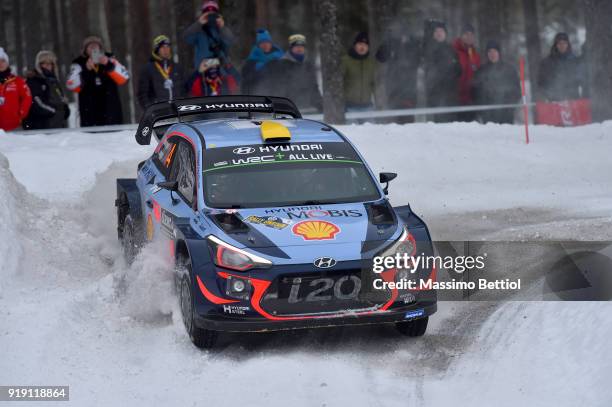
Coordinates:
209 35
255 77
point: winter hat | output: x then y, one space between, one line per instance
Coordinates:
4 55
561 37
468 28
46 56
92 39
362 37
262 36
209 63
160 41
297 39
438 24
210 5
492 44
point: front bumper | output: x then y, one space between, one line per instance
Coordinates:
256 324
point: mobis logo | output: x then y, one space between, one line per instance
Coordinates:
319 213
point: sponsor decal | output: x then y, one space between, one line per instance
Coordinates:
166 219
414 313
316 230
407 298
253 160
317 212
219 164
324 262
290 147
243 150
235 309
155 189
218 106
292 209
150 227
269 221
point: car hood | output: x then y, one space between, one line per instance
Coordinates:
349 225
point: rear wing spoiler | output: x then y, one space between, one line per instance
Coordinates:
180 108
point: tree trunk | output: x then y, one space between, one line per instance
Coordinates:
599 56
333 88
532 37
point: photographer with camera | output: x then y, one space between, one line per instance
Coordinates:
95 75
209 35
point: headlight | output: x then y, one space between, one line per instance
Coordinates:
230 257
405 244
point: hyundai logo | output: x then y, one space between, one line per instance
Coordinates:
243 150
324 262
189 108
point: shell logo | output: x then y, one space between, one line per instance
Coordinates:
316 230
149 228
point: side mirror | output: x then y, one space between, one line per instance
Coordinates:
385 178
171 186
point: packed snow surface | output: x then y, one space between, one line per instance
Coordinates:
72 313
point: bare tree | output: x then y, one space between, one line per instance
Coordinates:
333 91
599 56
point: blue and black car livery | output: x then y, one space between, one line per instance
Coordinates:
273 220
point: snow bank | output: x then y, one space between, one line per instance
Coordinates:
11 199
552 353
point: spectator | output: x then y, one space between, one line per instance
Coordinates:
470 62
160 79
442 71
496 83
358 72
402 54
294 77
254 76
95 76
208 35
559 76
15 97
49 105
207 81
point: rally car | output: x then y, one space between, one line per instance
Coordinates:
272 220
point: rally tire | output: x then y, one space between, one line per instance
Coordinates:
413 328
131 238
201 338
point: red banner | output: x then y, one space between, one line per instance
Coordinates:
567 113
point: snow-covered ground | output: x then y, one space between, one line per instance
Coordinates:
72 313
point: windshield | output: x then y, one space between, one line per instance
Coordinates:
255 176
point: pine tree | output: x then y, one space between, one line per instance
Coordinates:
333 91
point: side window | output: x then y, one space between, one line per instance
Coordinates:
183 170
163 158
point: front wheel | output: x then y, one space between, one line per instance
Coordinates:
413 328
202 338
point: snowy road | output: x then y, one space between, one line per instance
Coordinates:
71 313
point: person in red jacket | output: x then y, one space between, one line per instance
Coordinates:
15 97
470 63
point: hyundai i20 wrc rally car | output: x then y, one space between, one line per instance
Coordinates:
272 220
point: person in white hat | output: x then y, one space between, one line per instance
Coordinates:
49 105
